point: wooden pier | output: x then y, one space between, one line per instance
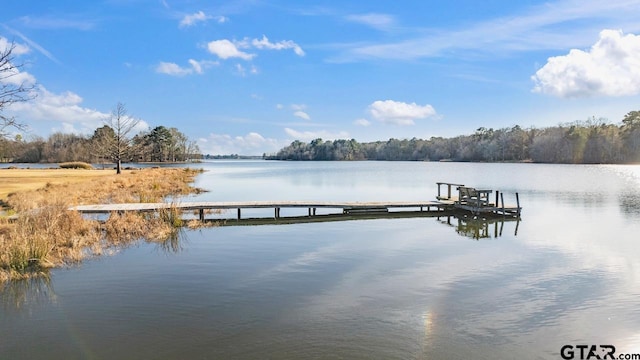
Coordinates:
202 207
458 199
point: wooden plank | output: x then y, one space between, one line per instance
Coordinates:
107 208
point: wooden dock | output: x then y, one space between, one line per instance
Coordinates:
458 199
202 207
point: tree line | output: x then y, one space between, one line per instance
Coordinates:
594 141
160 144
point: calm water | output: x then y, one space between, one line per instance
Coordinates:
414 288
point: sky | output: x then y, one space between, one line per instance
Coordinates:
250 76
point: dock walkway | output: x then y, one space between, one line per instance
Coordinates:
201 207
467 200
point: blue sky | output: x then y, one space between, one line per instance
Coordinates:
249 77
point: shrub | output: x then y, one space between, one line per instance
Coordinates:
76 165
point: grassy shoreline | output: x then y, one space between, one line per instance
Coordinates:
47 235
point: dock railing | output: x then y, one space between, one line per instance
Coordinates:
449 195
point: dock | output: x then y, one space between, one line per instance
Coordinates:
451 199
347 208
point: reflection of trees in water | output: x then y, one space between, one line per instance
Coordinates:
478 228
630 203
173 243
23 294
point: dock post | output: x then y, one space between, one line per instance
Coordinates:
497 194
201 214
449 191
438 190
502 201
277 211
239 212
518 204
309 212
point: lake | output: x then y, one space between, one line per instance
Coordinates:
404 288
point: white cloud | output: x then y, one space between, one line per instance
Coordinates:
14 76
399 113
362 122
610 68
62 112
196 66
302 115
192 19
221 19
377 21
550 26
63 108
250 144
264 43
311 135
225 49
18 49
174 69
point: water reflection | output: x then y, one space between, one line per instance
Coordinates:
23 295
630 203
479 228
173 244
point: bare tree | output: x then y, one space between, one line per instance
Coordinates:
13 88
120 144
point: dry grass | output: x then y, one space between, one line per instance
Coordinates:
19 180
76 165
46 234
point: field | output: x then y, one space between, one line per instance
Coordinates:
20 180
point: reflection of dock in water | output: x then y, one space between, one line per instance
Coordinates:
479 228
465 200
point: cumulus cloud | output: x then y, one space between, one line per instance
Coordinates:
13 76
399 113
264 43
225 49
174 69
64 111
311 135
19 49
192 19
610 68
362 122
250 144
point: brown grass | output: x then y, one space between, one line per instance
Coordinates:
19 180
46 234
